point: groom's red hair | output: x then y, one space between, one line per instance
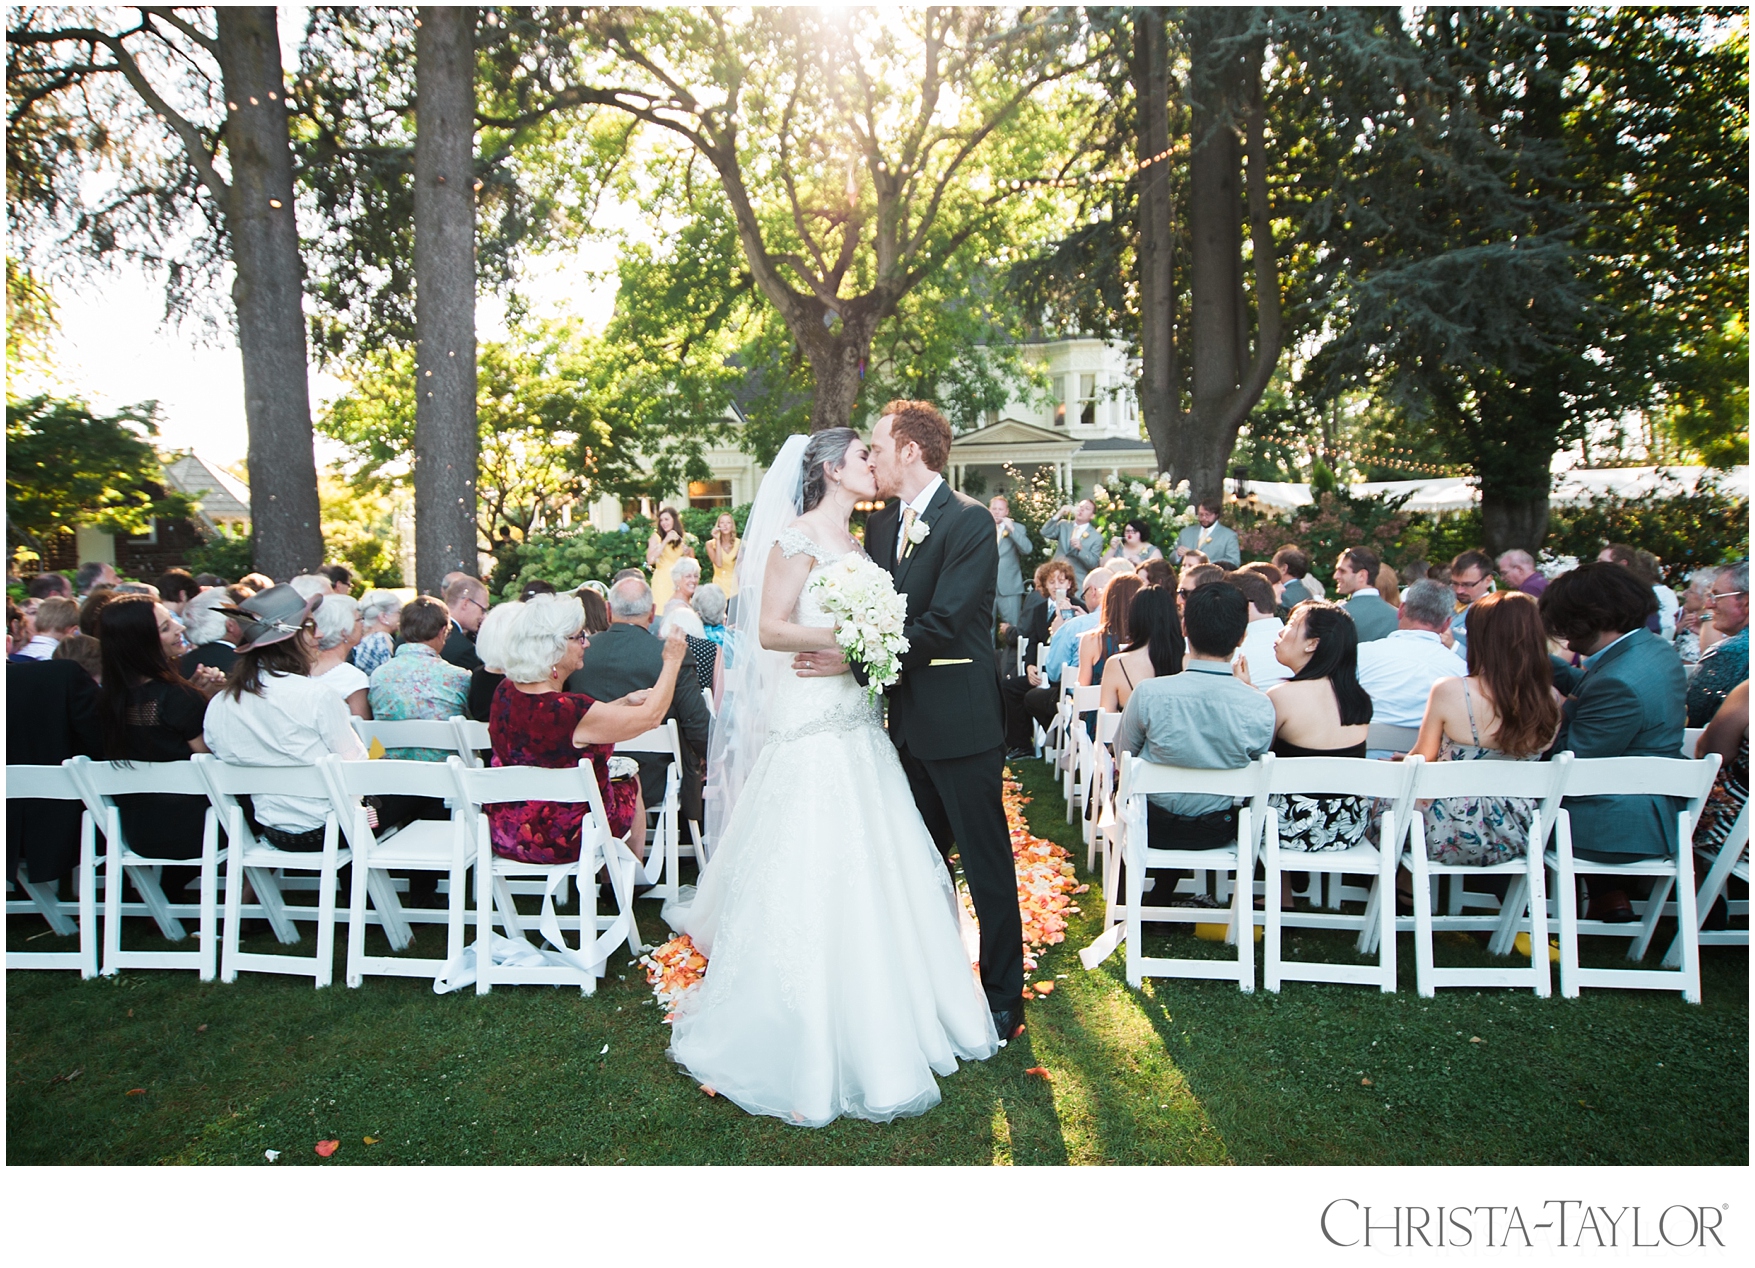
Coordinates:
921 422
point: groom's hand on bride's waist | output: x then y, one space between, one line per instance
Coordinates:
819 664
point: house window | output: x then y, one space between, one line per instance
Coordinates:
709 495
1087 400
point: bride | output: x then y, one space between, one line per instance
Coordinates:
837 982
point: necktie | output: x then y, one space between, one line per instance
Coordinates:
904 545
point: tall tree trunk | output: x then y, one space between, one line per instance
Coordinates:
836 363
268 295
446 439
1227 376
1159 407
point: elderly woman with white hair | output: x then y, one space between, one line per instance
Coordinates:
685 578
534 721
381 616
339 630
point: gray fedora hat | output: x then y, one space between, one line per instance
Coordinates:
273 616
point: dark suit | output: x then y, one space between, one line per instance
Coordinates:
627 658
219 655
947 720
52 713
460 648
1374 617
1630 702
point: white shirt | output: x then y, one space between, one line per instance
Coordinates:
344 679
40 647
295 721
1365 590
1398 671
1258 648
918 504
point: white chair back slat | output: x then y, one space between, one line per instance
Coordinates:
1691 740
1337 776
1140 778
1534 780
472 739
660 739
1086 699
1108 727
489 786
1641 777
222 779
42 783
395 777
407 733
56 783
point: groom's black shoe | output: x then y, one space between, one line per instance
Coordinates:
1008 1023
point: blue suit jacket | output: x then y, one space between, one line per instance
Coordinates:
1630 702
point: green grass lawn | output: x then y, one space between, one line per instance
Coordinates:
1178 1072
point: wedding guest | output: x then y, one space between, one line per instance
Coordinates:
1194 576
466 598
1204 717
1644 565
151 713
49 585
1194 558
1388 586
722 550
1049 605
1693 620
1520 572
596 608
256 582
209 580
1415 570
1256 652
1154 647
1300 585
52 714
1626 701
1273 576
1217 543
170 631
668 546
1356 581
485 678
1471 576
1158 572
1321 711
685 578
1120 567
272 714
1030 697
1726 663
1503 709
339 630
340 578
93 575
55 619
312 583
380 618
213 634
1728 736
710 604
1134 545
92 608
709 651
1014 553
625 658
176 588
1063 648
534 587
418 682
1096 646
1076 540
84 651
18 633
536 721
1398 670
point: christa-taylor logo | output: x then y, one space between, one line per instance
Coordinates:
1557 1222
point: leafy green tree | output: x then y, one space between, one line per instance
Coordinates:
67 467
359 530
30 321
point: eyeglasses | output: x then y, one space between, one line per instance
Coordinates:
1716 595
581 638
470 598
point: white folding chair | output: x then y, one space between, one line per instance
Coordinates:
56 783
430 733
1039 736
1691 740
662 831
1542 784
472 740
1690 782
1057 737
1731 860
248 856
599 936
1099 777
424 845
1076 700
102 783
1387 783
1139 779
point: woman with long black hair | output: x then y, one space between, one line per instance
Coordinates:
1154 647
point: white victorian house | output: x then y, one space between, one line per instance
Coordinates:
1087 430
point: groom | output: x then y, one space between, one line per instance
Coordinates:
947 718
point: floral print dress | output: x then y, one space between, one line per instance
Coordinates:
1313 825
1477 831
537 730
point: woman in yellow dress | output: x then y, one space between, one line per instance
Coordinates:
722 553
667 545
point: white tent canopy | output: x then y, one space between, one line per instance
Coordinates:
1571 488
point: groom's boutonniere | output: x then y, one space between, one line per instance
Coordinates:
917 533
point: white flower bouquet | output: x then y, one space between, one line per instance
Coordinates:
869 617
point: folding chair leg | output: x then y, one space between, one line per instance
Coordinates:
87 878
1385 888
1424 966
113 907
48 901
326 907
1270 941
147 882
1522 890
356 924
234 905
389 908
1688 918
273 905
1538 909
1654 909
454 914
484 913
1566 883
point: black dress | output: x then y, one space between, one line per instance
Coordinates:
162 718
1310 825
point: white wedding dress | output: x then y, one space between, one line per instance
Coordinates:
837 982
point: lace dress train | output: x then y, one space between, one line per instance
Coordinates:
837 982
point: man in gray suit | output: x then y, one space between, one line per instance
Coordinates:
1628 700
1014 553
1356 579
1077 541
1218 543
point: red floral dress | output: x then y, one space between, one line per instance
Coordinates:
537 730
